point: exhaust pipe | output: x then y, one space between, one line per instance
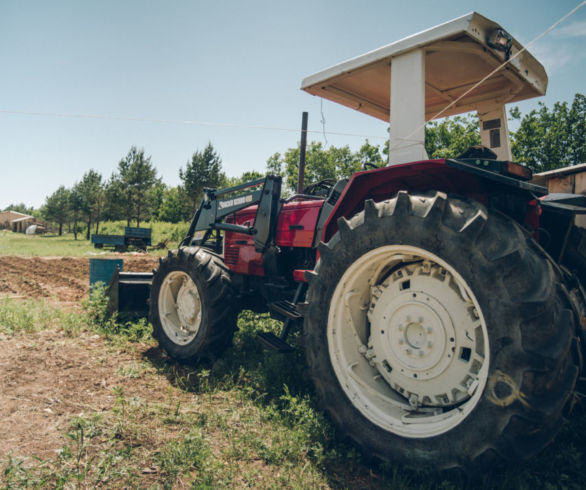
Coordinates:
300 184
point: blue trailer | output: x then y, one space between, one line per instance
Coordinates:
137 237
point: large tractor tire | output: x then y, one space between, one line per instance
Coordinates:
439 334
575 254
575 260
192 305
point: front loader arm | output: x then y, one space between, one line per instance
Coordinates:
212 211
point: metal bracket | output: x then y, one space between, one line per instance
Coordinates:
212 211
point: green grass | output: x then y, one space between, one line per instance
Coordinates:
20 317
43 245
249 419
66 245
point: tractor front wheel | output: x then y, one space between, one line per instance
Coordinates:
191 305
437 333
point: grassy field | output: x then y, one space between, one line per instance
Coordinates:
250 419
43 245
247 420
66 245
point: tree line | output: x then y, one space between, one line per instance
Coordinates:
545 139
134 193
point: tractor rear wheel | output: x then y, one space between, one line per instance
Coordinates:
575 260
192 306
575 255
437 333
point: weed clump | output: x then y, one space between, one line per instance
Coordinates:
101 320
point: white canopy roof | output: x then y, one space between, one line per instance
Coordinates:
456 57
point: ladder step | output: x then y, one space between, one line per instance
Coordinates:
270 341
286 309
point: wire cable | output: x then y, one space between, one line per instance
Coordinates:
294 130
323 120
107 117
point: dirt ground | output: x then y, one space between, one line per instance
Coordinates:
64 279
46 377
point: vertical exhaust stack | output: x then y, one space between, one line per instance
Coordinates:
300 181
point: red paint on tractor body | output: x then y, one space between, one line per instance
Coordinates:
385 182
298 219
295 229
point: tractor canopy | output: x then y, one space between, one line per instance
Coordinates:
414 79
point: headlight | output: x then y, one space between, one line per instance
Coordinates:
500 40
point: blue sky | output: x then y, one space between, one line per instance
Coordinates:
233 64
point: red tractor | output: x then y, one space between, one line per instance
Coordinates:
440 300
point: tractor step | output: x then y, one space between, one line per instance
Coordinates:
285 308
270 341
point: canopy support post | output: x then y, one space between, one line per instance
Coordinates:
408 108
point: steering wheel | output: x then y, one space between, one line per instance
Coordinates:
319 188
367 165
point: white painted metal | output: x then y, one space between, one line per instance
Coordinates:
408 342
455 51
179 306
407 137
495 138
455 57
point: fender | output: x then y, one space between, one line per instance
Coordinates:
450 176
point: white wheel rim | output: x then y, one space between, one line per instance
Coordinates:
179 307
408 341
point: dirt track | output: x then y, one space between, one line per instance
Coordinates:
64 279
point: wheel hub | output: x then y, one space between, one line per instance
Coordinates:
188 307
408 341
416 335
180 307
413 336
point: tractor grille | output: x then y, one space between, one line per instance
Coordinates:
231 255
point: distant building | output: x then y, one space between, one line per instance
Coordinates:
565 180
15 221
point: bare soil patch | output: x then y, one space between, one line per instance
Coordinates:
46 377
64 279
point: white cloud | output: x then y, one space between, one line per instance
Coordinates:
552 58
575 29
564 47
